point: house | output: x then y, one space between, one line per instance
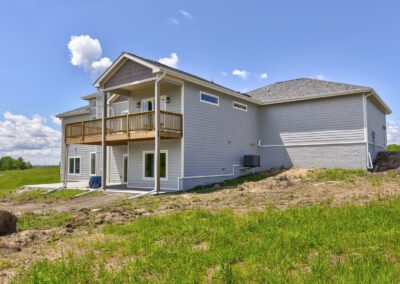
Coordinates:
203 130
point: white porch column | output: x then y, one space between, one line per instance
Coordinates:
157 134
65 166
103 142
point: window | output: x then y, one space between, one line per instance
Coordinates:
74 165
148 164
209 99
239 106
93 163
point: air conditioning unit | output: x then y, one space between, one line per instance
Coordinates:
251 161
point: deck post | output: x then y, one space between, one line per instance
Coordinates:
103 142
65 164
157 134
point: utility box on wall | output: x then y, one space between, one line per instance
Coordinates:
251 161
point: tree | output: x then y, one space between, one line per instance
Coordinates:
393 148
8 163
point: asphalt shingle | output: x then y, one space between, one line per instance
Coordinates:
301 88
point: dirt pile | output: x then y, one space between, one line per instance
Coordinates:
387 161
8 222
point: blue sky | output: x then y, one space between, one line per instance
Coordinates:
347 41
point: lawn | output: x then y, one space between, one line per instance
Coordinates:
10 180
349 244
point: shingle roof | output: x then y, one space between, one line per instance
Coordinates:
77 111
302 88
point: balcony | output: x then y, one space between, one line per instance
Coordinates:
124 128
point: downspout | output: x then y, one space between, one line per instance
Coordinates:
103 143
370 166
157 134
111 112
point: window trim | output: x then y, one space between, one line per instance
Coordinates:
144 166
206 102
90 163
238 103
80 168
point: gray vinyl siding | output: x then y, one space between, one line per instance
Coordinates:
82 151
116 162
216 137
129 72
119 108
317 156
376 119
335 120
174 94
135 164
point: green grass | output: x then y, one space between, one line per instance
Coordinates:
338 175
29 221
10 180
38 195
349 244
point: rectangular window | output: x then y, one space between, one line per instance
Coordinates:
209 99
93 163
239 106
148 164
74 165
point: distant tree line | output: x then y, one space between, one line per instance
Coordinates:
8 163
393 148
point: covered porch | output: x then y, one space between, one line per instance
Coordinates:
155 112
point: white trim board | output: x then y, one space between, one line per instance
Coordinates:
311 144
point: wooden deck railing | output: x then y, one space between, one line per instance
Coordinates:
124 124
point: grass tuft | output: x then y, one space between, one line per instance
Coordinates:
29 221
346 175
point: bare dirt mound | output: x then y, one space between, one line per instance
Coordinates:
83 202
387 161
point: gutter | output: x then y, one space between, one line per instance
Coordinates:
370 165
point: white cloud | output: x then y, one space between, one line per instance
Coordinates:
393 131
263 76
174 21
319 77
186 14
240 73
30 138
86 53
224 74
55 120
171 61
